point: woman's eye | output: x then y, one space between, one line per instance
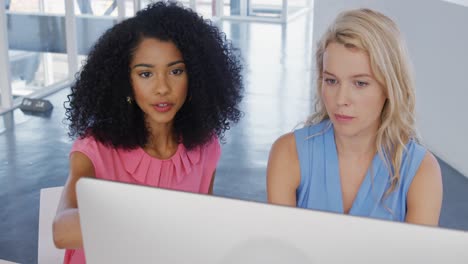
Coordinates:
177 71
145 74
361 84
330 81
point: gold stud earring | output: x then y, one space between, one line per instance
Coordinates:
129 100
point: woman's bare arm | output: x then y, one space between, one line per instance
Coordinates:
66 226
283 171
424 199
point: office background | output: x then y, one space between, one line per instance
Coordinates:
43 44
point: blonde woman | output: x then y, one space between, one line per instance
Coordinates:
359 154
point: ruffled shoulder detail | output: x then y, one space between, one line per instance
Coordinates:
148 170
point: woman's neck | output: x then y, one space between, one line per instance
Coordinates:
356 146
162 142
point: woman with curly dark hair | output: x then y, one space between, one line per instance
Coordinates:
156 93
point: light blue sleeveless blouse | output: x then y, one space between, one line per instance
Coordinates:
320 186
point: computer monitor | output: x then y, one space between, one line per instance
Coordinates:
124 223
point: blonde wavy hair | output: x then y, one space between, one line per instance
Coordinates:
380 38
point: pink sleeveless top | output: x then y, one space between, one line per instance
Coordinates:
190 171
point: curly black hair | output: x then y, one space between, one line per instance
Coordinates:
97 104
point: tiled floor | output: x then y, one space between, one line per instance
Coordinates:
34 149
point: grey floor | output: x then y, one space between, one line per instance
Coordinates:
34 149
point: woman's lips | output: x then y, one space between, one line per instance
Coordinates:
343 118
163 107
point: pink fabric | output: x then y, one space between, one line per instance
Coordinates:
186 170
